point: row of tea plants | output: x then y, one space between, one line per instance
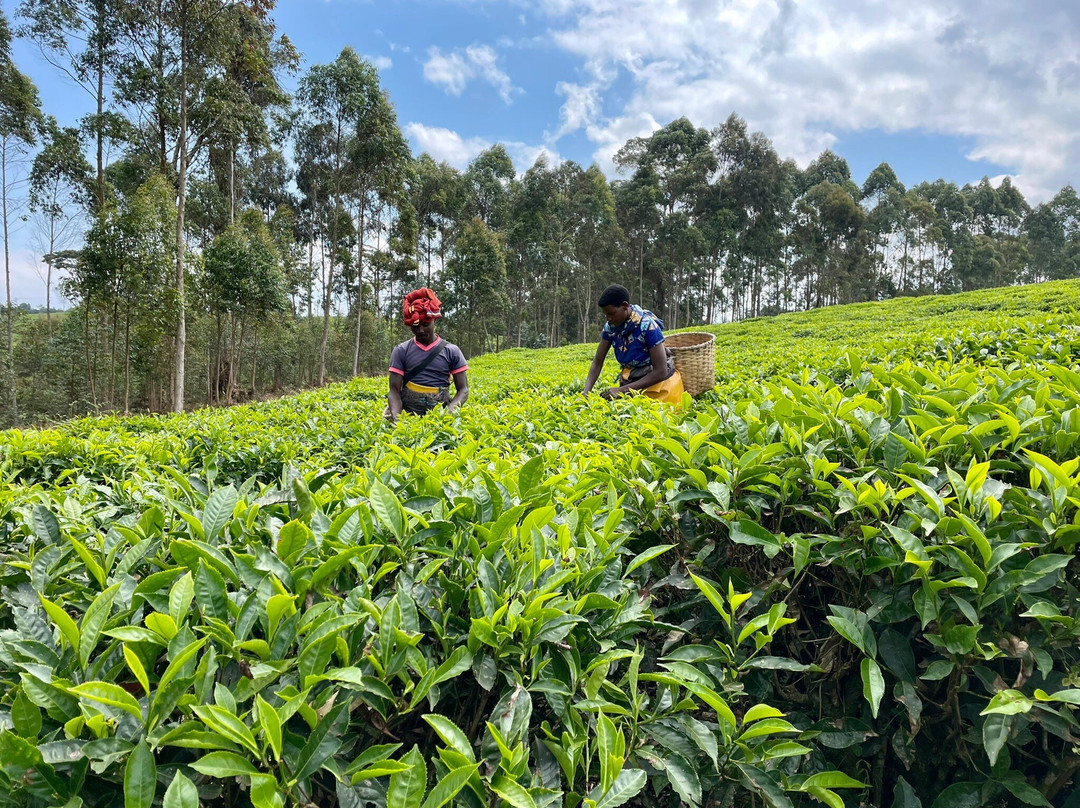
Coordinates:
847 576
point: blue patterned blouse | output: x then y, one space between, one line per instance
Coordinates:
633 339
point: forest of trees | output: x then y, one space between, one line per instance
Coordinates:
220 239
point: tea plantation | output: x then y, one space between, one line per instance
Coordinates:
848 576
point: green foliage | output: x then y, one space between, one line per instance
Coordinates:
847 575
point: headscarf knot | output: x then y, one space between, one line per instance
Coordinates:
421 306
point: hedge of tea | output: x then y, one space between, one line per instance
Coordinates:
847 576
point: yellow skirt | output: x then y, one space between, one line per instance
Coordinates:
669 391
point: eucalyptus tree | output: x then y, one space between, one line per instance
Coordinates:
748 219
953 265
436 191
269 177
920 234
61 194
526 255
833 225
351 146
678 158
125 265
180 72
20 121
285 230
717 220
1011 208
985 208
475 284
637 210
82 38
999 256
1053 232
598 241
244 284
253 59
381 163
882 196
489 181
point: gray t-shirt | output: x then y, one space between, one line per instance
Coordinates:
411 353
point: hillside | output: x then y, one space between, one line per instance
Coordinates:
846 576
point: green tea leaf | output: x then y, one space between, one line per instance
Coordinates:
140 777
224 764
832 780
646 556
219 509
407 787
626 786
511 791
448 787
97 614
873 684
386 506
63 621
109 694
181 793
450 734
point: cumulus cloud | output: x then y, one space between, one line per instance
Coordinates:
381 62
454 70
581 108
446 145
996 72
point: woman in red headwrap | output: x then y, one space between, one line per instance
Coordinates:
421 368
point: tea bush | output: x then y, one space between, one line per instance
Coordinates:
846 576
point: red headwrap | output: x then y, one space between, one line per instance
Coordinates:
420 306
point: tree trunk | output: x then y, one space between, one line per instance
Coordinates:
48 298
232 182
230 382
7 282
311 255
327 287
99 124
641 269
254 358
89 358
209 375
217 361
239 352
127 361
181 200
359 285
112 352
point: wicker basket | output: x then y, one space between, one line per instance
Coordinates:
695 359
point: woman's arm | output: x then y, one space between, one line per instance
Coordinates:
658 360
461 390
393 398
597 364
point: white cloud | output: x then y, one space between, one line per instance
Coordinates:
381 62
1001 73
581 108
28 281
453 71
613 135
524 155
445 145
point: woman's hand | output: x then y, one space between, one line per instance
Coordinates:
612 392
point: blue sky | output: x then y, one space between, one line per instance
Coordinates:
953 89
